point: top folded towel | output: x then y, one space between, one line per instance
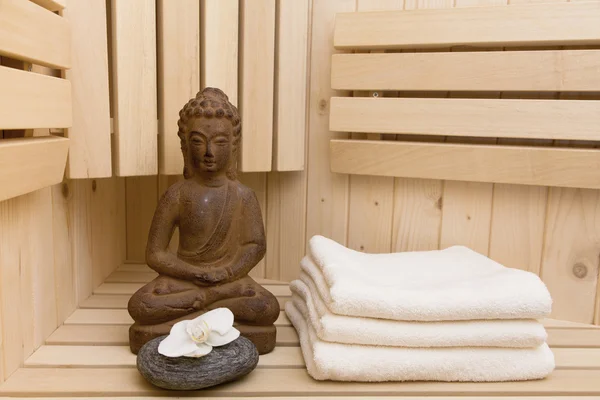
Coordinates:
438 285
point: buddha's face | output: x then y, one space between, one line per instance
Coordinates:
210 144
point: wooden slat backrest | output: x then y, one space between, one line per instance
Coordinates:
33 39
468 114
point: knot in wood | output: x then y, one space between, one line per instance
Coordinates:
580 270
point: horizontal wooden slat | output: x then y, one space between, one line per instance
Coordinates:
131 288
518 25
121 300
31 33
117 317
121 356
578 168
118 335
30 100
265 382
495 118
556 70
50 5
281 357
28 164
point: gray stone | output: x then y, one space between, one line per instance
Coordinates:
222 364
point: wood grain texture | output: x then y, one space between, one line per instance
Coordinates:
507 118
563 167
141 201
556 24
327 193
220 31
30 100
257 60
90 148
290 85
552 70
571 248
31 33
283 382
29 164
178 47
134 87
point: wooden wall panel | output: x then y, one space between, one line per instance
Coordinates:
327 193
90 148
257 60
178 74
290 85
134 87
220 31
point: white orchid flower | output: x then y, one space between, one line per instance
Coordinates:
197 337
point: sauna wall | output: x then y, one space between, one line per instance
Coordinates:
553 232
56 245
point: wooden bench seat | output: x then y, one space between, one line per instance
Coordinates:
88 356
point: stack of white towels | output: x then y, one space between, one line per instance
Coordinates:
444 315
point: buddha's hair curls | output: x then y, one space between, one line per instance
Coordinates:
209 103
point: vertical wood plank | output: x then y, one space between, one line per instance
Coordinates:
327 193
220 31
274 225
11 219
178 25
258 183
90 146
63 261
290 84
38 250
256 83
417 214
292 243
142 198
108 226
571 248
80 198
134 86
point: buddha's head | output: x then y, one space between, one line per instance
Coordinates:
209 129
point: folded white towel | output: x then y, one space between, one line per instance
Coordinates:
439 285
346 362
384 332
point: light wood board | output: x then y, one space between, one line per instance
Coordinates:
257 63
29 164
31 33
220 31
90 150
465 162
30 100
490 118
291 85
178 46
555 24
134 87
552 70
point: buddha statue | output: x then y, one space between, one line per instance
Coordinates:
221 235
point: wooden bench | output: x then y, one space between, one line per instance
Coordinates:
89 356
